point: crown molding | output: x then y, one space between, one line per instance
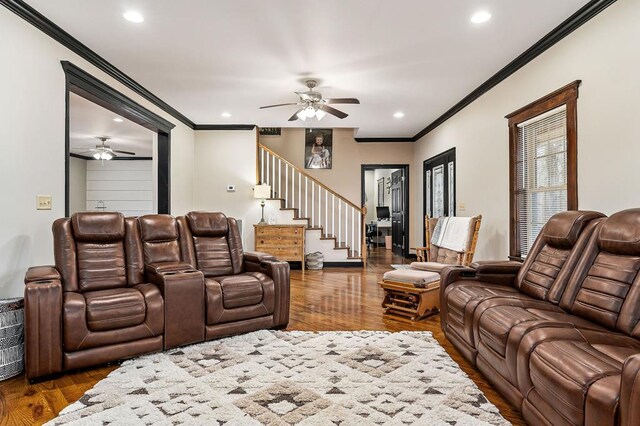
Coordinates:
45 25
583 15
224 126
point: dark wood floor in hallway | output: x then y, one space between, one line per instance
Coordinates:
331 299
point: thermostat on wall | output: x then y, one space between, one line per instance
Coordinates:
231 188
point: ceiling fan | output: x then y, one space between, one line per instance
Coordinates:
103 151
312 104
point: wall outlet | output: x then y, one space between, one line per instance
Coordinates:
231 188
462 206
43 202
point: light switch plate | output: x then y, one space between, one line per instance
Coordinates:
462 206
43 202
231 188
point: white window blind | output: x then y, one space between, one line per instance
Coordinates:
541 167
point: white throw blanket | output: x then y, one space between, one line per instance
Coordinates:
452 233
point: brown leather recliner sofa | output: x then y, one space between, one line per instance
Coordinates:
557 335
123 287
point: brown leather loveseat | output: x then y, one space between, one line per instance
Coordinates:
558 335
123 287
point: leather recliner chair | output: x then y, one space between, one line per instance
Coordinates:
94 306
244 291
572 358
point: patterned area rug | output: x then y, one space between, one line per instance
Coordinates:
283 378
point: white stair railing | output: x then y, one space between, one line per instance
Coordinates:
325 208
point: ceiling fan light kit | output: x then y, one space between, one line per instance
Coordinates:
103 152
312 104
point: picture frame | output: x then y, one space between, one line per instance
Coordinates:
381 192
318 149
270 131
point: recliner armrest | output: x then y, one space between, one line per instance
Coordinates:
497 267
258 257
42 324
279 272
630 392
42 273
166 267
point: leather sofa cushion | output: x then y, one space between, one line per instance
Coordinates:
114 308
213 255
564 228
238 300
463 297
620 233
101 265
98 226
240 290
542 274
207 224
564 372
158 227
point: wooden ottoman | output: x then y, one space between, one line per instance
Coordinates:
410 294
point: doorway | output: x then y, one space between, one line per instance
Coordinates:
439 183
385 193
81 83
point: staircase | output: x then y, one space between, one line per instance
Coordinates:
335 226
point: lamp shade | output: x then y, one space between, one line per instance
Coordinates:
262 191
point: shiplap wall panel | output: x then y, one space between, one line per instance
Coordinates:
124 186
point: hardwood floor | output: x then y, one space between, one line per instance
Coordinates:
331 299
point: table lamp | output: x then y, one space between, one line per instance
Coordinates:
262 191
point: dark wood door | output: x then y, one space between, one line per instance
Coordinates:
440 185
397 212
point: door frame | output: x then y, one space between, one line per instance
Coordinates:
84 84
405 168
424 185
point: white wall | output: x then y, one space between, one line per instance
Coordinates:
77 185
122 186
228 158
370 193
603 53
32 160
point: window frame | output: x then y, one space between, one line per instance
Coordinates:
568 96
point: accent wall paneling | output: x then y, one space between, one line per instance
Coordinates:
124 186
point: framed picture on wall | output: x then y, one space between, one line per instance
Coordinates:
318 148
381 192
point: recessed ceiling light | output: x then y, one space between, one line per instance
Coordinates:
133 16
226 114
480 17
118 120
399 114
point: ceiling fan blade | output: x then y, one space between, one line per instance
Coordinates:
123 152
294 117
304 96
278 105
333 111
342 101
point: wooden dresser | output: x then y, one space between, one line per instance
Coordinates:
286 242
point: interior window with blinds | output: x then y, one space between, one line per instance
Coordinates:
541 173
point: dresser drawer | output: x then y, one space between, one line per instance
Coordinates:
282 253
279 231
278 241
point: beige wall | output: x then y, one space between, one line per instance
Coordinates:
32 161
227 158
348 156
603 53
77 185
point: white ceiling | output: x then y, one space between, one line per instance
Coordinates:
206 57
87 121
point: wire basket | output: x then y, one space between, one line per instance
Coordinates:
315 260
11 337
